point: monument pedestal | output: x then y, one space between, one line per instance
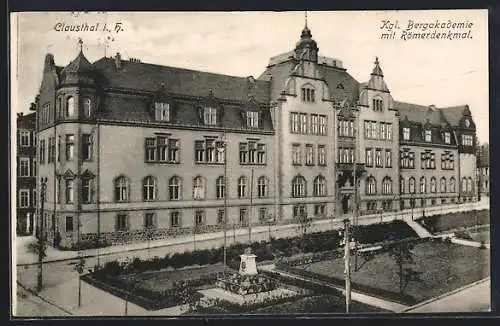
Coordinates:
247 264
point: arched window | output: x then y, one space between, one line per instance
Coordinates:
411 185
464 184
378 104
70 106
442 185
198 188
402 185
87 107
60 111
242 187
121 189
308 94
262 187
174 188
452 186
299 186
220 188
469 184
423 185
387 186
149 188
319 186
433 184
371 186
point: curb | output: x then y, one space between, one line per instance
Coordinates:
43 299
418 305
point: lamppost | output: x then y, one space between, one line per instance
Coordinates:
347 260
41 238
79 267
412 204
270 220
223 149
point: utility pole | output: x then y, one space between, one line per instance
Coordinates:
41 238
347 260
224 151
251 210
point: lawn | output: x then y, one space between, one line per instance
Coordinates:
443 267
456 220
481 236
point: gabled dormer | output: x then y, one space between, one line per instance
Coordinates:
210 111
162 108
252 114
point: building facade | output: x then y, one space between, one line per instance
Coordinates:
26 174
136 151
483 169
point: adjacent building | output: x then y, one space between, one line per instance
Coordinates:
26 174
483 169
134 151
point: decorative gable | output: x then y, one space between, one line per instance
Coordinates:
69 175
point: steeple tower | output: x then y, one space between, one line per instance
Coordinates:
376 81
306 48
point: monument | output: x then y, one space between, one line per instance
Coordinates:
247 263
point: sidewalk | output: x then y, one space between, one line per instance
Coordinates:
26 258
419 229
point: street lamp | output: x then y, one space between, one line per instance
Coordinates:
222 148
41 238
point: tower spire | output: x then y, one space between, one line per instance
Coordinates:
305 15
80 42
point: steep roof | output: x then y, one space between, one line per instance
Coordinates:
484 156
419 113
27 121
454 113
147 77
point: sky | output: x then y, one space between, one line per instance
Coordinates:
441 72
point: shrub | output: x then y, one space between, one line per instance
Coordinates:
463 235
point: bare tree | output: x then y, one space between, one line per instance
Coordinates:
304 223
401 252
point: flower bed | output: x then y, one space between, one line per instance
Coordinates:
453 221
241 284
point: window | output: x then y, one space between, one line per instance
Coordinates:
447 138
402 185
149 188
149 220
162 149
319 186
322 124
447 161
309 154
174 188
34 197
346 128
24 138
299 187
442 185
406 133
320 210
58 190
198 188
220 188
209 151
378 158
428 160
371 186
45 113
210 116
69 223
69 191
253 119
175 219
295 122
373 130
220 216
346 155
423 185
121 189
162 111
51 147
121 222
411 185
321 155
369 157
70 107
262 187
428 135
469 184
252 153
86 190
467 140
383 131
199 218
307 94
464 184
70 145
303 123
173 150
58 148
378 104
314 124
386 186
261 153
87 107
42 151
24 167
242 187
388 131
452 185
296 154
388 158
87 147
24 198
243 216
432 185
299 210
263 214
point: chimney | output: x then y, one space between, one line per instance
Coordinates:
432 107
118 61
20 114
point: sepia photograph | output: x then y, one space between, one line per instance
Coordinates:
265 163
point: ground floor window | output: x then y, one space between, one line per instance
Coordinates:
69 223
243 216
263 214
371 206
199 217
175 218
121 222
443 201
149 220
387 205
220 216
299 210
320 210
433 202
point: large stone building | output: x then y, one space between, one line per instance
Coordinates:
135 150
26 174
